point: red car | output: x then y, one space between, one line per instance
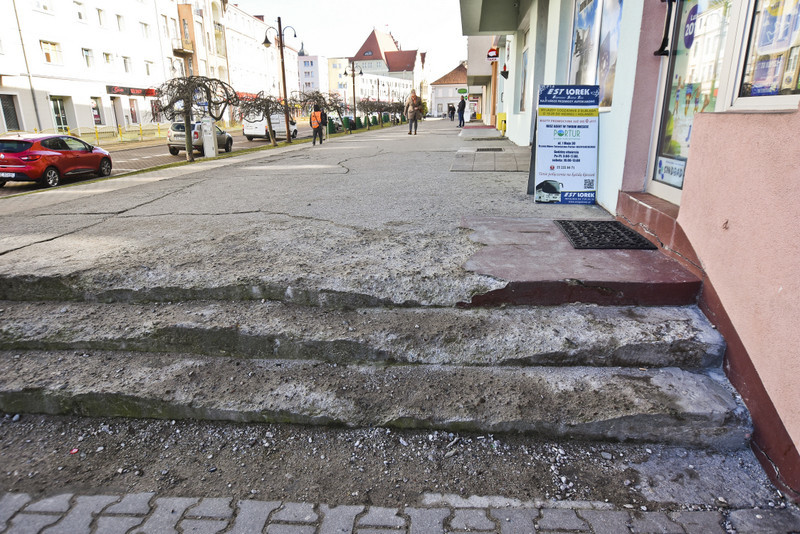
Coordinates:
48 158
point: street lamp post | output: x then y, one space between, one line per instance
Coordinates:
267 44
353 75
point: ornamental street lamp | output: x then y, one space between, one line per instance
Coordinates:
352 73
267 43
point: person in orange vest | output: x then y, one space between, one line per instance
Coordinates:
316 124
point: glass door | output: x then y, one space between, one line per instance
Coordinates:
60 114
694 69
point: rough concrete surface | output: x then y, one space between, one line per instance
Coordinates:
664 405
566 335
319 285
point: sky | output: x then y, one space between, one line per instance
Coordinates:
338 28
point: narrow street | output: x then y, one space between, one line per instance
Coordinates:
137 156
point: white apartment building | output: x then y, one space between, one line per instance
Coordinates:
314 74
253 66
81 65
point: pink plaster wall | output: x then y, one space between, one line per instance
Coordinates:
645 89
741 210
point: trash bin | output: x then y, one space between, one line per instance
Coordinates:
359 124
346 123
331 127
385 117
374 120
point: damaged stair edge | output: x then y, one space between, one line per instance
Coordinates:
603 293
666 406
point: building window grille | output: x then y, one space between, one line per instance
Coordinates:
9 112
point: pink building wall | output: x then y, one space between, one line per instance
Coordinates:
741 210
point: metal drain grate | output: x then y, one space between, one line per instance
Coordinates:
603 235
488 150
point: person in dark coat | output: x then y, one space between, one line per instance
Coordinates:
462 105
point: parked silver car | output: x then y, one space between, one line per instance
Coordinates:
176 138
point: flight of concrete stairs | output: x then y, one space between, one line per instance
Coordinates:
582 371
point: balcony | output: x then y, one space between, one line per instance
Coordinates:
182 47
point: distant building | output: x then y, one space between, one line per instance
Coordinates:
381 55
448 90
373 86
313 71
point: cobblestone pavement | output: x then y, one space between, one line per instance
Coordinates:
147 513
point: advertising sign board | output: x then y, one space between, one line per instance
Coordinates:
566 144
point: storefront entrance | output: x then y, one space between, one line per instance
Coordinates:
59 114
694 64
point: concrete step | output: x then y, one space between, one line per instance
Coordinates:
666 405
586 335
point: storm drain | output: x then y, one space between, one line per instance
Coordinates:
603 235
488 150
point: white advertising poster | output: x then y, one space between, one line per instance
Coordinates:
566 144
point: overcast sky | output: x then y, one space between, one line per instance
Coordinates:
338 28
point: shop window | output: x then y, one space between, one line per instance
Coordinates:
134 111
97 110
693 86
772 49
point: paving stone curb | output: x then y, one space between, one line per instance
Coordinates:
96 514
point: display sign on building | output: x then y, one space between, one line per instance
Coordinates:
566 144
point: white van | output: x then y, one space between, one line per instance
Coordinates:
258 129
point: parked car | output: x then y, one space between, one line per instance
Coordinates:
48 158
258 129
176 138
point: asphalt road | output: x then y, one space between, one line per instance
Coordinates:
127 158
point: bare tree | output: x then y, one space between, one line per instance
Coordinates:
262 107
328 102
194 95
368 107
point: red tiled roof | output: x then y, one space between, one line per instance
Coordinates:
401 60
456 76
375 47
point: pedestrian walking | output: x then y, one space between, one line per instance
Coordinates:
462 105
316 124
451 111
413 111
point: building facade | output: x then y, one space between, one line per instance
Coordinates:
448 90
696 117
88 66
382 55
313 72
368 85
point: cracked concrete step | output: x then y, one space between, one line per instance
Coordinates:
665 405
565 335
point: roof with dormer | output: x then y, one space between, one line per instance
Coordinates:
383 46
